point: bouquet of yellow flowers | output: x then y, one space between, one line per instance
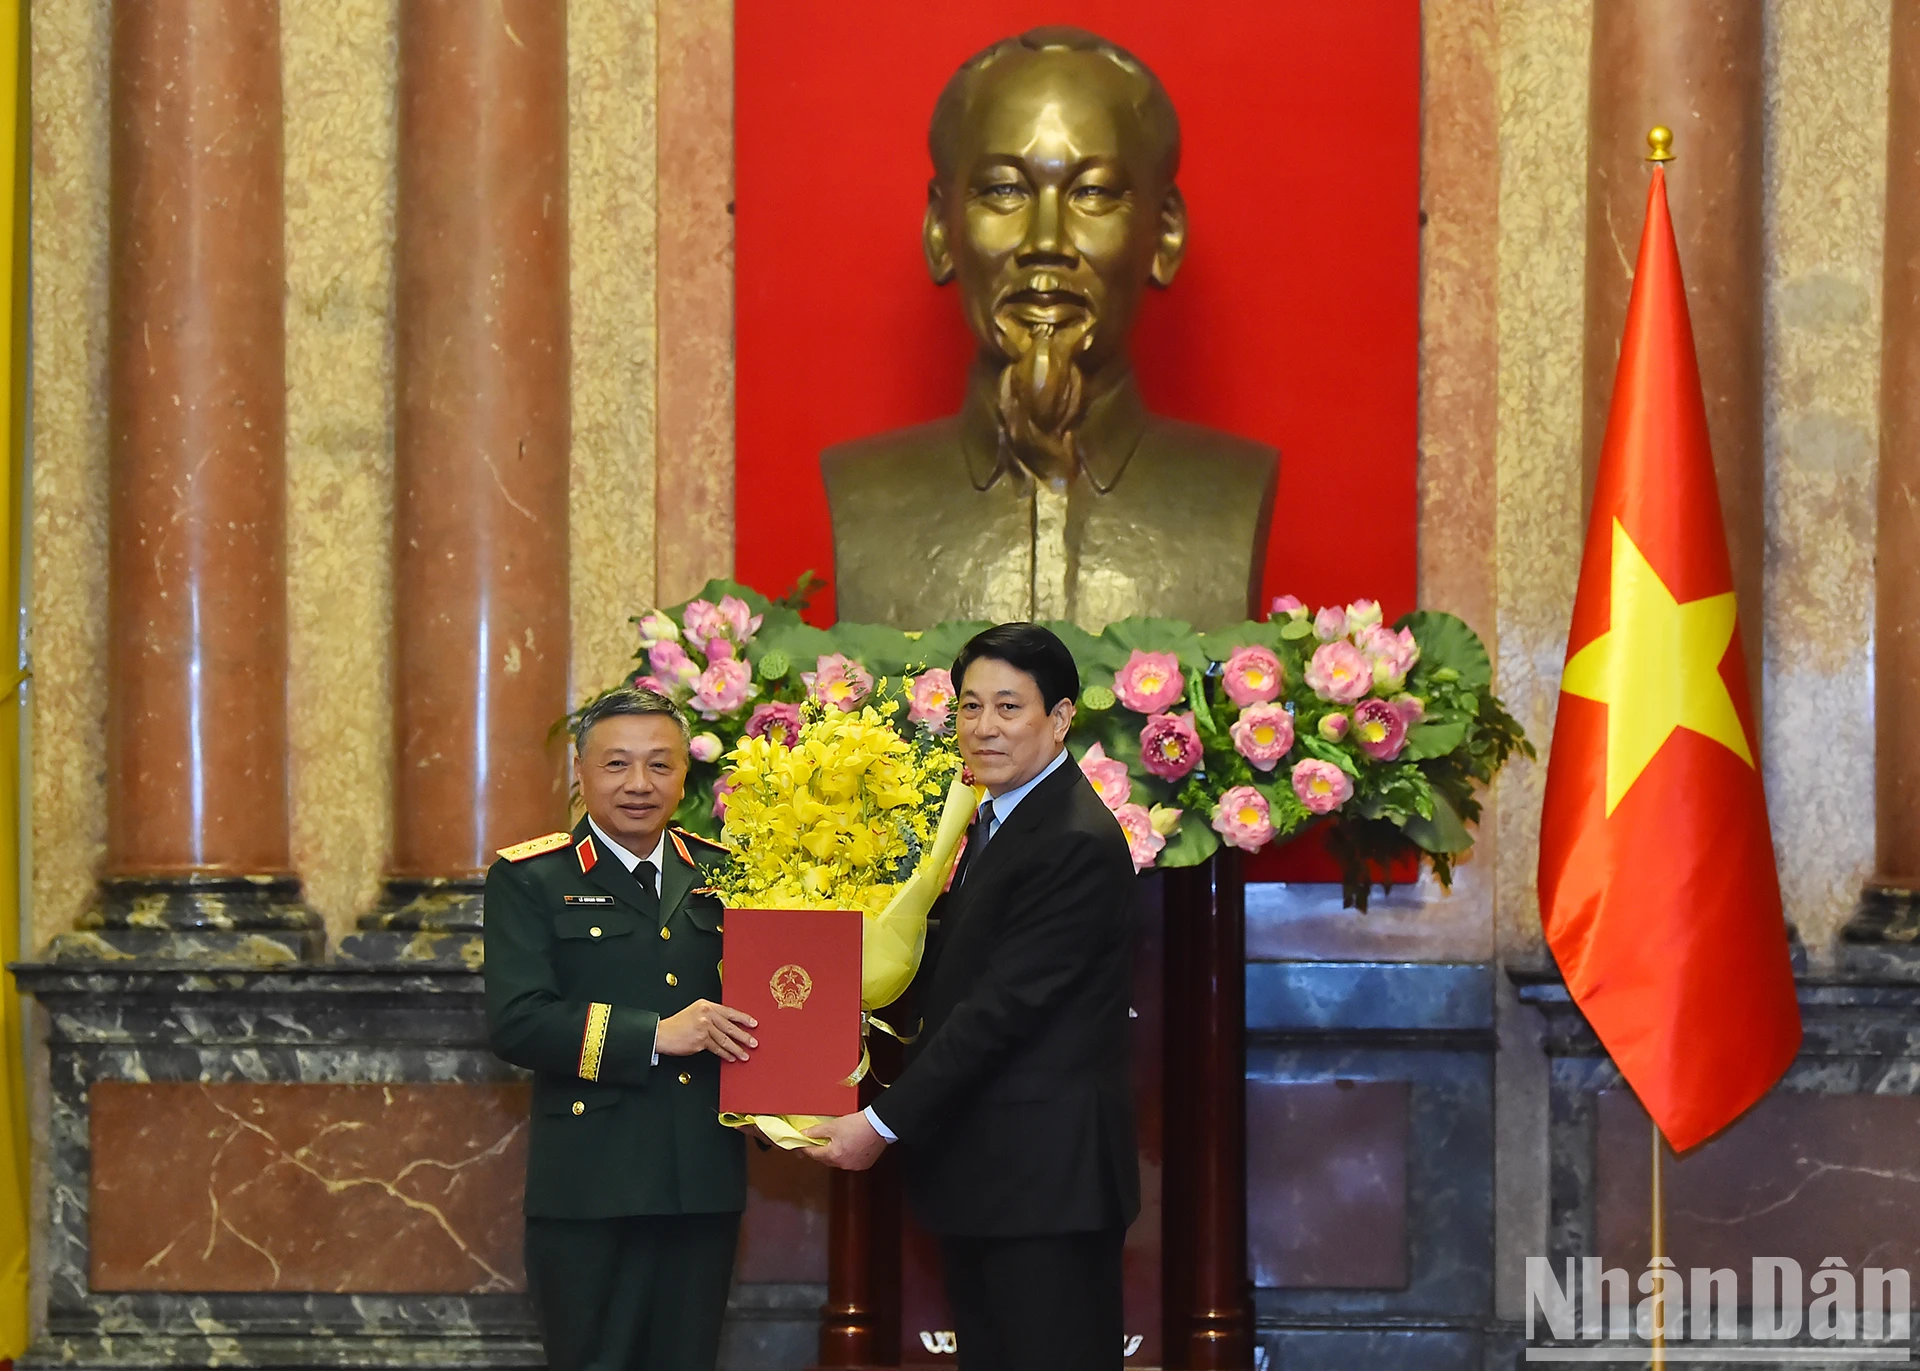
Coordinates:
856 812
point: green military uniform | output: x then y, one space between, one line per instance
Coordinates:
634 1190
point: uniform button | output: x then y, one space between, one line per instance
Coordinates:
579 1106
665 933
672 979
595 930
686 1078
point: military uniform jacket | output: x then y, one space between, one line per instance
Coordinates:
582 963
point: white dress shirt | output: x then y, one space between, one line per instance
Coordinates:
1003 807
658 860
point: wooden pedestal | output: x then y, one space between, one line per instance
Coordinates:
1207 1301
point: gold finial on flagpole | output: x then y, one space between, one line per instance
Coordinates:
1659 143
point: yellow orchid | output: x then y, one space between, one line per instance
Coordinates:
832 820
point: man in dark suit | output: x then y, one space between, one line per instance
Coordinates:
603 972
1015 1108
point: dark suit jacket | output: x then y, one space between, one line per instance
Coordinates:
1016 1105
611 1133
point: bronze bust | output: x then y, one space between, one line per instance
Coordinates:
1053 494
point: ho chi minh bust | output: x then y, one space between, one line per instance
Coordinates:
1053 494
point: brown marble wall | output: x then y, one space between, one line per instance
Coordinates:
482 364
1543 54
1459 391
1540 65
196 402
1826 93
339 79
1329 1163
1696 67
1459 428
341 1188
338 71
613 54
1803 1176
67 609
695 235
1504 192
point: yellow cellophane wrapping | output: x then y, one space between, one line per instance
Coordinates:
891 945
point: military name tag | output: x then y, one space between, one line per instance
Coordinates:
588 899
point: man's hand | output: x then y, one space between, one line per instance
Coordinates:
704 1026
852 1144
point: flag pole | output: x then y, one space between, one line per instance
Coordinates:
1658 1341
1659 149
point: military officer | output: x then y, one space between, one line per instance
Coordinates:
603 976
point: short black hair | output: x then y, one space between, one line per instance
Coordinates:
1024 647
623 700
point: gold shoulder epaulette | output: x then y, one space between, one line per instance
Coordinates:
533 847
704 842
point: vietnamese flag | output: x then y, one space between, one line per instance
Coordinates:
1658 891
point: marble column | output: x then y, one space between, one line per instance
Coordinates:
198 861
693 443
1694 66
1890 906
481 461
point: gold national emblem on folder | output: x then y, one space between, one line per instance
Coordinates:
790 986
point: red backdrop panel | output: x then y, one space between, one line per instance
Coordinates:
1295 319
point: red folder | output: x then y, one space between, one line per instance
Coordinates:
798 972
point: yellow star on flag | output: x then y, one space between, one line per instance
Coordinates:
1656 668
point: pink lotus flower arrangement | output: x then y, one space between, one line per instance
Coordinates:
1339 672
838 682
1170 746
1381 732
930 699
1108 777
671 662
731 660
1147 831
1150 682
1263 734
722 688
777 719
1243 819
1253 676
1145 843
1321 786
1327 715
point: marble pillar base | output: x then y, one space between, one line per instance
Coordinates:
206 920
293 1166
1883 936
387 1348
435 922
1820 1168
1370 1164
